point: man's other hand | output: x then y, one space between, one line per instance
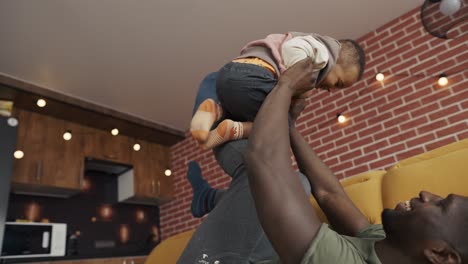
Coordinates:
300 78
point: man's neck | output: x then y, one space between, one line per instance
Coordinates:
389 254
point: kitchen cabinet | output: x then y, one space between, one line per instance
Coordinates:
102 145
126 260
51 166
30 140
165 183
133 261
147 182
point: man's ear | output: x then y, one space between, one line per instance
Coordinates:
440 252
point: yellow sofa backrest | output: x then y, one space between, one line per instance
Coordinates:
170 249
441 175
459 145
365 191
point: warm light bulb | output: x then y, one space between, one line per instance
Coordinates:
140 215
442 80
106 212
41 103
33 212
124 233
380 77
115 132
136 147
67 135
341 118
168 172
18 154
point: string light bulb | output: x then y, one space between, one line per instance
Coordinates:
443 81
67 135
380 77
168 172
115 132
41 103
341 118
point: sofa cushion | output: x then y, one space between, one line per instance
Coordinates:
169 250
441 175
463 144
365 191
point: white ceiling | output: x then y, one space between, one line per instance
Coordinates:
147 57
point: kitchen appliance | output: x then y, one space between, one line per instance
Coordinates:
32 240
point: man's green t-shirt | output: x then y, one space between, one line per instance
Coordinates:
331 247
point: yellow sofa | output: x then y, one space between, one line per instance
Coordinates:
441 171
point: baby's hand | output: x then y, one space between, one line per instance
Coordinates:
300 77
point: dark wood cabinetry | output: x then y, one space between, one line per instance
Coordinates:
151 185
103 145
53 166
127 260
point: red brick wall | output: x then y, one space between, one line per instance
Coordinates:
404 117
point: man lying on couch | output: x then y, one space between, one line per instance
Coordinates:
427 229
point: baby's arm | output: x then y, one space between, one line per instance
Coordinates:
299 48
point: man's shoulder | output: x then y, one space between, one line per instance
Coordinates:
372 232
329 246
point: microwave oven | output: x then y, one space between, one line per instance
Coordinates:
33 240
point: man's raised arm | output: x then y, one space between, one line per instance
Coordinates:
282 206
343 215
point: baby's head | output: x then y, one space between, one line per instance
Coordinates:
348 68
